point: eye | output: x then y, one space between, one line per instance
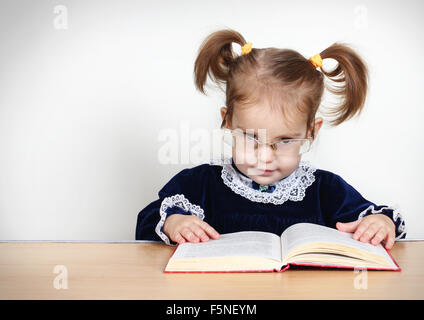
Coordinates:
285 141
250 135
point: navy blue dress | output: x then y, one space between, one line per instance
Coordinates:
229 201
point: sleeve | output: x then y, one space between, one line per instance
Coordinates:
181 195
340 202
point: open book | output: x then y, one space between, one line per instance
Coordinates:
304 244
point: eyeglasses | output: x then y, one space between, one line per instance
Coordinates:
250 144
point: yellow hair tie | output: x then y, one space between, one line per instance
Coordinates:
316 60
246 48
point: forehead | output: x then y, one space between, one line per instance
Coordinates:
263 116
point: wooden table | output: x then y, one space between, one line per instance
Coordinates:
133 270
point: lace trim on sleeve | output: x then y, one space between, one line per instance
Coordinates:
180 201
401 229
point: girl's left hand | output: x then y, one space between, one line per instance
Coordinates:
373 228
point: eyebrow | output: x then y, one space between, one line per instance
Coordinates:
283 136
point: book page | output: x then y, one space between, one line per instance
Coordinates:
244 243
303 233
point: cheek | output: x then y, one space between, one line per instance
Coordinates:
251 159
288 163
242 158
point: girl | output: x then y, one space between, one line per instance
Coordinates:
272 97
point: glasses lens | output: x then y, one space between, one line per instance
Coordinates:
227 138
241 140
306 145
249 142
293 146
246 143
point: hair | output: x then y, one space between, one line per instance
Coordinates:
281 75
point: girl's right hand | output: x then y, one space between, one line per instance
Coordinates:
182 228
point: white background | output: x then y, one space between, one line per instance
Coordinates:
81 108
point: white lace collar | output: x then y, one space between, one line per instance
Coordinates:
291 187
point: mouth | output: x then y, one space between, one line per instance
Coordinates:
267 172
255 171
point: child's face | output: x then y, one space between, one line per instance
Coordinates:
264 166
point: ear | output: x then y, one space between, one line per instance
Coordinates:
317 125
224 111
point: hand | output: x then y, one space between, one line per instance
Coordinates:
181 228
373 228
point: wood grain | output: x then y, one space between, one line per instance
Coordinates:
134 271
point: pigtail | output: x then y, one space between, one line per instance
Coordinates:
352 75
215 57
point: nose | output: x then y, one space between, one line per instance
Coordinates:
265 154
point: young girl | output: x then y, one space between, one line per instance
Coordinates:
272 97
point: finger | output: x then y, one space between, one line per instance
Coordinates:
347 227
178 238
209 230
379 236
189 235
369 233
360 229
198 231
390 241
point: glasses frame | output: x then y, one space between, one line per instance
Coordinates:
273 145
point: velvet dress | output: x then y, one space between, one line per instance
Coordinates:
229 201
